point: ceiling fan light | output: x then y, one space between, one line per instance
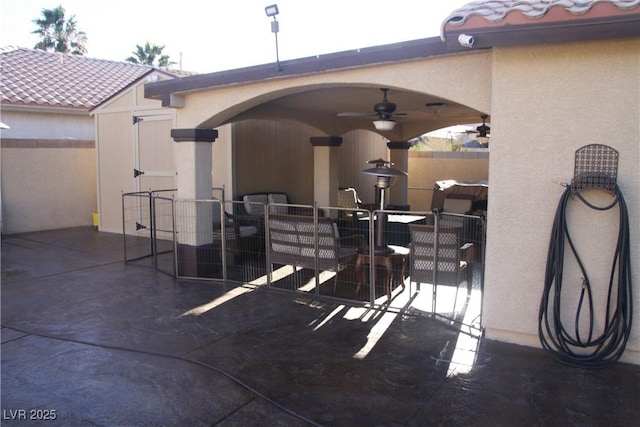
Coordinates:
384 125
482 140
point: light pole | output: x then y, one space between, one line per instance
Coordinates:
272 11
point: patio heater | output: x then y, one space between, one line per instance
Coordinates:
386 177
271 12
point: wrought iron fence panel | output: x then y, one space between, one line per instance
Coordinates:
424 262
137 225
163 234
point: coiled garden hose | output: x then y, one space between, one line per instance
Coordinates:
574 349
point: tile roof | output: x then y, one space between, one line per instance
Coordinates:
32 77
500 11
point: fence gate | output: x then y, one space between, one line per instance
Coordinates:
137 225
148 228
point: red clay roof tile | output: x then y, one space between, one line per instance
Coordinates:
40 78
509 12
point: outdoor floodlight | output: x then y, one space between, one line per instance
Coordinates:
271 10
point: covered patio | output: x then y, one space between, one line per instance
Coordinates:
512 66
425 263
90 340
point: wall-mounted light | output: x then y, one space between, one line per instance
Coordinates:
436 106
271 12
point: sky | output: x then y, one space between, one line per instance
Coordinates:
214 35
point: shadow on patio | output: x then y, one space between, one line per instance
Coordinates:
95 341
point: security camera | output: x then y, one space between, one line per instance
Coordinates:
466 40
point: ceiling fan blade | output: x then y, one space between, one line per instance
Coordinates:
355 114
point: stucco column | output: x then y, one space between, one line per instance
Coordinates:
193 162
194 221
326 165
399 156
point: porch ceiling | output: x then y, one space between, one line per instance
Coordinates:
319 108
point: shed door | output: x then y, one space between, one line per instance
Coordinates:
155 162
156 171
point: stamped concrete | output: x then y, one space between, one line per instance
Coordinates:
89 340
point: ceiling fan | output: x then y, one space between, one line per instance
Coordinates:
483 130
384 110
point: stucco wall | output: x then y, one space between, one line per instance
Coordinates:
266 160
48 170
548 101
278 156
47 188
28 123
427 167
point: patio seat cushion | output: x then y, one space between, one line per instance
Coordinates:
254 203
278 199
233 229
247 230
457 206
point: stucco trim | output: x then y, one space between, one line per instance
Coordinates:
398 145
47 143
194 135
326 141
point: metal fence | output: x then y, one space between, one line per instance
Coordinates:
213 242
148 228
376 253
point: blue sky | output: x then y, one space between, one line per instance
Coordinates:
215 35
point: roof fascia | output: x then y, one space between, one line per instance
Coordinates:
45 109
404 51
623 26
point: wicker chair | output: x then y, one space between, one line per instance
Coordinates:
292 241
451 262
235 233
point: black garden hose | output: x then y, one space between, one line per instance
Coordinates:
573 349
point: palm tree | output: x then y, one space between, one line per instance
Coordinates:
150 54
58 34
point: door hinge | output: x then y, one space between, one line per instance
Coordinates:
137 173
136 119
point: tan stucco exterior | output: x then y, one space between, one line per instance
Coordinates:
48 187
545 102
48 169
427 167
548 101
458 78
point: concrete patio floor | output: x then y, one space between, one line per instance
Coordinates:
88 340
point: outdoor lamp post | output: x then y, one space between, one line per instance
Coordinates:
272 11
386 178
